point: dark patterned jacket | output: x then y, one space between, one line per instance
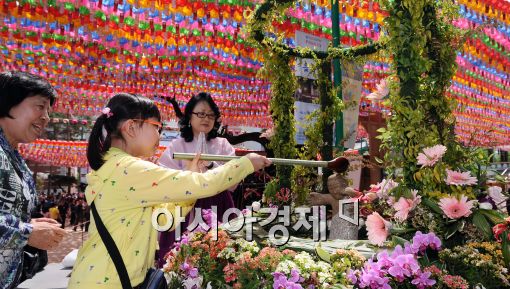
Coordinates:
16 203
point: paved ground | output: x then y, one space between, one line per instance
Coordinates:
73 240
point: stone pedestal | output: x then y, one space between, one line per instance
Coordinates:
338 190
343 229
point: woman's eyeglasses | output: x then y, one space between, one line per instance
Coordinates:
204 115
156 123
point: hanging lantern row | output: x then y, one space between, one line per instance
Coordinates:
62 153
93 49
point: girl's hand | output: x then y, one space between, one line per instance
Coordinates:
259 162
196 165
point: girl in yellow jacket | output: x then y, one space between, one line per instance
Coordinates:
125 189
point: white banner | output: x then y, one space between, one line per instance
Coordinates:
311 41
301 110
352 79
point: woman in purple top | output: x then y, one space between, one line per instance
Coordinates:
201 118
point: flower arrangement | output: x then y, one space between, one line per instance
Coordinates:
454 212
453 205
445 280
479 263
200 260
399 268
343 261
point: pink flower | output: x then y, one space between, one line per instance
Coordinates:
383 188
404 206
382 89
459 178
454 208
378 229
431 155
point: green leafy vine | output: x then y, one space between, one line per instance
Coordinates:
424 45
277 58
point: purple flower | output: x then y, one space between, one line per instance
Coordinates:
404 266
294 273
422 280
399 266
210 218
408 249
352 275
281 281
422 241
193 273
372 280
397 251
185 266
383 261
189 271
184 241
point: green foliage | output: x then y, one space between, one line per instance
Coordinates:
270 191
478 263
278 70
283 142
305 178
424 44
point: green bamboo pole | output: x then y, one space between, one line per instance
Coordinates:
337 71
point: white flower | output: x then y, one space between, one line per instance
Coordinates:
192 283
256 206
307 265
324 276
499 198
227 253
286 266
486 206
247 246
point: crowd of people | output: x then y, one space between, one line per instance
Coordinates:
69 209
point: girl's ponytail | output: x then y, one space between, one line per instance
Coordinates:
98 144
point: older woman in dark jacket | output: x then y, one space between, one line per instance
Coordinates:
24 103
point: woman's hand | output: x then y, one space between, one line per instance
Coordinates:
47 220
46 234
259 162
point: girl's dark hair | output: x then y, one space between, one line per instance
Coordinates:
15 86
123 106
184 122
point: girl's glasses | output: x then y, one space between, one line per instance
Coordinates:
156 123
204 115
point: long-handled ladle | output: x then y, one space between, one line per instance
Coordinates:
338 165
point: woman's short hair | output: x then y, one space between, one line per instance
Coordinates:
184 122
15 86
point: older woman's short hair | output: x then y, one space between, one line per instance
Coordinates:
15 86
